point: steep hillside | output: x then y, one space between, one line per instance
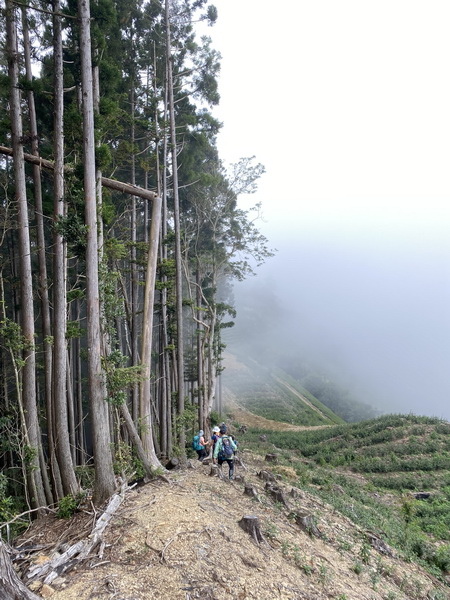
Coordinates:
272 394
181 539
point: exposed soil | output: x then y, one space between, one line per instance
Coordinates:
182 540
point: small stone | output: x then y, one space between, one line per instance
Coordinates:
46 591
59 582
35 586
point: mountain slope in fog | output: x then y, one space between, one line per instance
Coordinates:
272 393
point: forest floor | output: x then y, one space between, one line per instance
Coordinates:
181 539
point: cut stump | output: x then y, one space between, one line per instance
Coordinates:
250 524
306 522
173 464
249 490
272 458
214 472
277 494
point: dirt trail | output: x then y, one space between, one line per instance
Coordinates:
182 541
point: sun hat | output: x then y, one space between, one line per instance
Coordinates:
216 429
201 432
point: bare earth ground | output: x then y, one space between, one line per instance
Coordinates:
182 540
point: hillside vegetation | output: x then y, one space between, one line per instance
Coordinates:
181 538
390 475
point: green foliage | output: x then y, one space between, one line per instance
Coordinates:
120 379
69 505
126 463
417 529
6 501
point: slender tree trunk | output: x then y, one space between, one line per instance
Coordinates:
136 408
26 281
41 250
178 258
60 395
166 392
104 474
147 334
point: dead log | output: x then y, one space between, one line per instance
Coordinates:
249 490
251 525
306 522
78 552
273 458
11 587
277 494
112 184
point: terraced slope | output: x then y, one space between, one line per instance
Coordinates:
272 395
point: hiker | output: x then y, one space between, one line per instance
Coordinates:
199 444
215 436
224 451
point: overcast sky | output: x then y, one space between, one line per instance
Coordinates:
347 105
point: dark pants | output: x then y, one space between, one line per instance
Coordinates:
230 465
201 454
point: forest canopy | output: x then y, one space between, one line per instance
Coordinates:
121 235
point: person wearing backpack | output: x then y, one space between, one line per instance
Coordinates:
224 451
198 444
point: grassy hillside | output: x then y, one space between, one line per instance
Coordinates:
273 394
288 391
371 472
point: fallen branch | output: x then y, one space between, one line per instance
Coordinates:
112 184
78 552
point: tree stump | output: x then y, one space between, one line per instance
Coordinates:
306 522
295 493
271 458
173 463
422 495
379 545
266 476
277 494
11 587
249 490
251 525
214 472
238 462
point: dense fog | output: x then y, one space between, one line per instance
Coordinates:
370 306
345 105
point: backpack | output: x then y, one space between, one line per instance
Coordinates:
226 452
196 443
